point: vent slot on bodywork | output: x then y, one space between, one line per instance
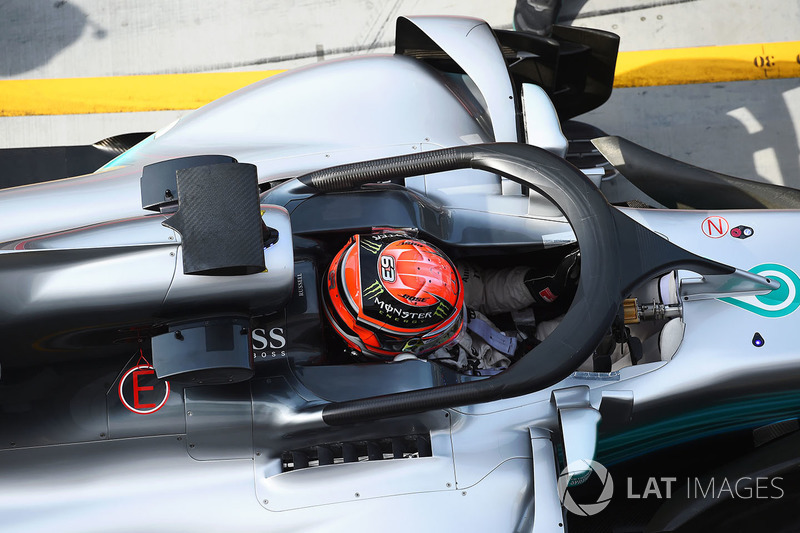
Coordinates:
403 447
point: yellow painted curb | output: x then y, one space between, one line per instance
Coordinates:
120 94
126 94
708 64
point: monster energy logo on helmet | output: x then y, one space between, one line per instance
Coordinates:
442 310
412 345
373 291
371 246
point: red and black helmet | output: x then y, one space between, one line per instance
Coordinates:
389 293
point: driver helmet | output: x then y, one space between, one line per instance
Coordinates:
390 293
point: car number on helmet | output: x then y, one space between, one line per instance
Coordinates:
387 268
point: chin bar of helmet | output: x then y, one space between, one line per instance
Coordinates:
617 254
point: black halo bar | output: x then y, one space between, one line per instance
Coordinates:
617 254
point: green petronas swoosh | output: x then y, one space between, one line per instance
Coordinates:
776 304
746 412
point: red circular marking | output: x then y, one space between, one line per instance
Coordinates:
125 402
714 227
736 232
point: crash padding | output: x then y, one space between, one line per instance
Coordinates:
679 185
297 332
219 220
204 353
159 183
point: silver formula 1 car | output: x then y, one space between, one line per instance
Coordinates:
166 365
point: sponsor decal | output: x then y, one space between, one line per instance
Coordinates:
263 339
370 246
268 343
141 392
373 291
412 345
394 311
442 310
778 303
547 295
714 227
410 298
741 232
386 236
